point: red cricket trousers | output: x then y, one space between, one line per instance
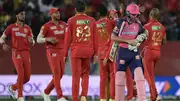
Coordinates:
105 71
22 63
57 65
80 69
150 59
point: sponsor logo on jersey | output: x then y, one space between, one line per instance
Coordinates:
20 34
15 29
156 28
101 25
53 27
82 22
62 26
56 32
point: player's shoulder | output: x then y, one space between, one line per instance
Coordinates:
47 24
120 20
71 19
160 24
12 25
27 26
63 23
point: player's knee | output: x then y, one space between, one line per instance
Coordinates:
120 78
138 74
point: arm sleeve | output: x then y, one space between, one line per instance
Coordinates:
67 41
7 32
41 36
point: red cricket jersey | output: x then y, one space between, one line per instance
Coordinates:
19 36
80 36
156 34
51 30
104 30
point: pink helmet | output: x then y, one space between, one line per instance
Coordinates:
133 9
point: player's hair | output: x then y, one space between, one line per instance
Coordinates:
155 13
80 6
19 10
102 10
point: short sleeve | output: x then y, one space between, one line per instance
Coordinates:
7 32
44 30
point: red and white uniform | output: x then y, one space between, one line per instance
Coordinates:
80 37
152 52
20 53
55 53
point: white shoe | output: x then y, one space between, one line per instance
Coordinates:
20 99
158 98
146 100
12 92
111 100
83 98
102 99
46 97
62 99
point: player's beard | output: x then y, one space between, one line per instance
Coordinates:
57 18
21 20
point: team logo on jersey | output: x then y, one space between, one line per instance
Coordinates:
15 29
56 32
62 26
18 56
82 22
137 57
25 30
53 27
54 54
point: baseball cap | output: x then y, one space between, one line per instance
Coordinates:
53 10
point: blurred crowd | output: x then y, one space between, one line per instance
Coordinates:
37 12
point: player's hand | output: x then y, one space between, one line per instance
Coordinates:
142 9
105 61
95 59
65 59
6 47
133 42
31 41
51 40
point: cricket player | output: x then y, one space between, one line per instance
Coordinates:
22 38
157 37
80 37
125 33
104 29
131 90
52 34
